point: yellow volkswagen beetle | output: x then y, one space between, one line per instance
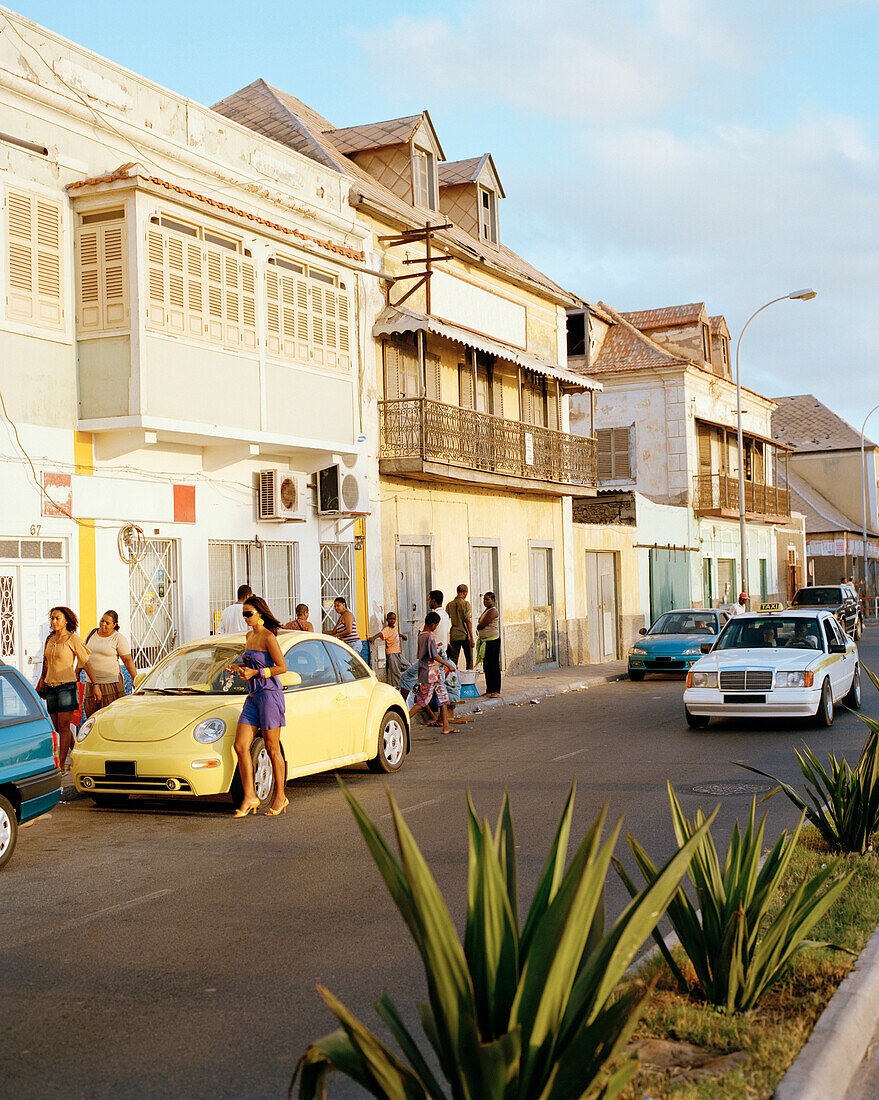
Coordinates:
174 736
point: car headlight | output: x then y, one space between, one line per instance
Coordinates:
212 729
794 679
704 679
637 649
692 652
84 730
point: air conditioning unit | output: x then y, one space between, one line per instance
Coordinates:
281 496
342 488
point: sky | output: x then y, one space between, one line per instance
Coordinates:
652 152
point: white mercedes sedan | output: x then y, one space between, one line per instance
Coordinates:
778 664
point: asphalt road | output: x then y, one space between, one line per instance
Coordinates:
167 950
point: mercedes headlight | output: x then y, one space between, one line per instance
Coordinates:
84 730
212 729
790 679
704 679
638 650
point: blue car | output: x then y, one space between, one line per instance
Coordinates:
30 782
674 642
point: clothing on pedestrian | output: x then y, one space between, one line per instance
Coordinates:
456 646
427 654
105 656
61 698
433 686
491 666
264 708
394 669
232 621
409 683
61 658
489 629
441 633
391 638
460 613
109 694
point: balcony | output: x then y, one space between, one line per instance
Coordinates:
424 439
718 495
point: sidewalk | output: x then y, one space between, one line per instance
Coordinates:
540 685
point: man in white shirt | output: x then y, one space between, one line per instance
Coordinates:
441 634
739 608
232 621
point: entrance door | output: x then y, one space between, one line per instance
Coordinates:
602 613
10 638
542 605
726 580
484 577
26 594
152 583
707 590
669 581
412 589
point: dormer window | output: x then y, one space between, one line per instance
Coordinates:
724 354
424 171
706 344
488 215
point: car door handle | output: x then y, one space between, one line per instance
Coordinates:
342 698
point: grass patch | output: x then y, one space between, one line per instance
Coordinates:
775 1030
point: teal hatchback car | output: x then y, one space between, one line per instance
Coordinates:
30 782
674 642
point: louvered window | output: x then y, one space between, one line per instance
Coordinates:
465 386
199 290
614 454
102 275
497 393
433 377
33 227
307 320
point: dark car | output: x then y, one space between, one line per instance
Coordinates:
840 599
30 782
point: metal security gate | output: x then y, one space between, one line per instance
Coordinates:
152 583
270 568
335 580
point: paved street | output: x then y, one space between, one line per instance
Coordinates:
171 951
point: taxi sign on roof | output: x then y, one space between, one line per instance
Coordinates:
771 606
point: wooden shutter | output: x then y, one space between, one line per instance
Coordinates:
195 290
274 339
34 233
248 303
344 305
552 406
497 393
604 438
102 290
392 370
622 463
213 262
704 438
465 386
433 377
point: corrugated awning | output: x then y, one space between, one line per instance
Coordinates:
776 443
394 320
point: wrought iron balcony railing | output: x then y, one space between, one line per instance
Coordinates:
719 494
418 428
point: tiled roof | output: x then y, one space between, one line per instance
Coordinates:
274 113
806 424
625 348
666 317
374 135
718 325
453 172
132 169
821 515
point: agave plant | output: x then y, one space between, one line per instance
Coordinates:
517 1011
843 802
736 949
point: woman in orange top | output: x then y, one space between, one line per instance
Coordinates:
57 683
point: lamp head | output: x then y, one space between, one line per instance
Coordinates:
803 295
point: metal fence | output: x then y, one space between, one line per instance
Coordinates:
417 427
719 492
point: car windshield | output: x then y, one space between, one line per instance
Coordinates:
684 622
772 632
817 597
200 670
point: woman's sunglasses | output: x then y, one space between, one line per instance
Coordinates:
248 614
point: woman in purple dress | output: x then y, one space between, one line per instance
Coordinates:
260 665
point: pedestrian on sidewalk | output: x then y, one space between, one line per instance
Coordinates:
107 646
260 666
430 678
461 627
489 630
391 636
301 621
441 635
57 683
742 606
232 621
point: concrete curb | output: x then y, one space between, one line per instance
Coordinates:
825 1066
484 704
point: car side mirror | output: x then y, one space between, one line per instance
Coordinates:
706 647
290 679
837 647
643 630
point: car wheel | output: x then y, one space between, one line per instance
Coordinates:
391 744
696 721
636 674
8 830
108 801
263 777
824 713
859 628
853 699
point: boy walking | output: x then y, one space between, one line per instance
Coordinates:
391 636
430 678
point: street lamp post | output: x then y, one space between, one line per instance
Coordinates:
800 295
864 493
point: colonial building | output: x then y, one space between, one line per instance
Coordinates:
466 377
181 353
827 486
665 423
